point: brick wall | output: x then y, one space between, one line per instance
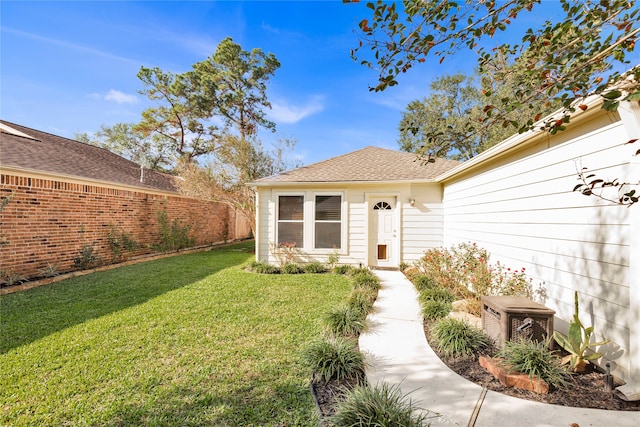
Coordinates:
49 221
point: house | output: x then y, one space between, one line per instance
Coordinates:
378 208
42 153
374 207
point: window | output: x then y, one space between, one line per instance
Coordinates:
328 222
291 220
382 206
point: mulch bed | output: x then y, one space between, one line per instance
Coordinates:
587 389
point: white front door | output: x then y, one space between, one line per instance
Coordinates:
383 246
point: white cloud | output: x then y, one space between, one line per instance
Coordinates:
120 97
283 112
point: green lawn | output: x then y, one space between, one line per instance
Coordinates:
188 340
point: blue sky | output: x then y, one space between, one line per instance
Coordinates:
69 67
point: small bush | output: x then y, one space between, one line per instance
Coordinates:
173 235
364 278
314 267
291 268
362 299
86 258
403 266
457 338
334 359
344 321
423 283
342 269
51 270
435 310
534 359
263 268
120 242
436 294
382 405
9 278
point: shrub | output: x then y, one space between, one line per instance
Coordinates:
510 282
534 359
120 242
86 258
9 278
333 259
361 300
464 270
314 267
263 268
403 266
291 268
342 269
173 235
435 310
457 338
285 252
334 358
51 270
344 321
422 283
363 278
382 405
436 294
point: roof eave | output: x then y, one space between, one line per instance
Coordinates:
31 173
338 183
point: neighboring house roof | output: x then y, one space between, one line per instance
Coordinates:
370 164
30 149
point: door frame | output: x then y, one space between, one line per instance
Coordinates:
370 200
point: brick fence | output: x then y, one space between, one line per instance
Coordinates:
48 222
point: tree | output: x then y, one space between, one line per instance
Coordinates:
579 55
237 162
123 140
230 86
444 124
178 123
233 83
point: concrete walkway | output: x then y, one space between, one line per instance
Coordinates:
398 353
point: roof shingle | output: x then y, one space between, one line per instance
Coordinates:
45 152
372 164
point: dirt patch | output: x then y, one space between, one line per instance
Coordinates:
327 395
587 390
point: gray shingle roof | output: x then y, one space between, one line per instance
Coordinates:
370 164
45 152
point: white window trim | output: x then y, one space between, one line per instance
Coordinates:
305 215
343 224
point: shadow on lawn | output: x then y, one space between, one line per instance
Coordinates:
283 404
30 315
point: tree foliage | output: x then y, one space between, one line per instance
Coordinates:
238 162
569 59
178 122
445 124
124 140
582 53
233 83
194 111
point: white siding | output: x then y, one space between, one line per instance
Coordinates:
420 225
523 211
